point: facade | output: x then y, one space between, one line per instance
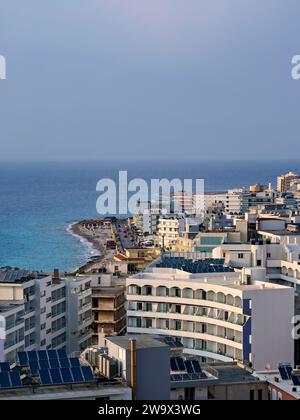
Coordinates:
169 229
44 312
228 202
218 316
163 372
109 314
152 362
284 181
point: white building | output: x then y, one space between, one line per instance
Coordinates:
221 316
229 202
169 229
43 312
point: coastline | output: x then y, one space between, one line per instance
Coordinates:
75 230
94 239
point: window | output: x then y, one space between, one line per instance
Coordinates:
148 323
43 326
260 395
240 256
252 395
149 307
189 394
268 255
258 263
43 310
178 325
178 309
177 292
43 343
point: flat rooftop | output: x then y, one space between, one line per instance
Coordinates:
231 280
209 265
233 373
142 341
15 275
279 233
107 291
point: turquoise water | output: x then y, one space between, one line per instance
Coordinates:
38 201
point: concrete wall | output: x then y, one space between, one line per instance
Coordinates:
238 391
272 340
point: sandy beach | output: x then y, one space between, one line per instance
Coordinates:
95 234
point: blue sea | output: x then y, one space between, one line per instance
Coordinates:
38 201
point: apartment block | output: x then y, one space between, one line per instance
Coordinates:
218 315
42 312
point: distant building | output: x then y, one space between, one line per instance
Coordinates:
168 231
284 181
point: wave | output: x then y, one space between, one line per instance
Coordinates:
92 251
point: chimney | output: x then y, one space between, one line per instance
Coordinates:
55 277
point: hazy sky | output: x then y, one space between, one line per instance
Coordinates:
170 79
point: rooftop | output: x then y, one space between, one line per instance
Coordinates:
209 265
231 280
15 275
279 233
142 341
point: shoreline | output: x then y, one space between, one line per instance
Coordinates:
94 241
75 230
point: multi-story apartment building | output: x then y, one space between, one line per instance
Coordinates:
42 312
284 181
256 200
229 202
217 314
109 314
168 231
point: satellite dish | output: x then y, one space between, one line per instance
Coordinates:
268 367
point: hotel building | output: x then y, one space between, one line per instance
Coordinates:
217 314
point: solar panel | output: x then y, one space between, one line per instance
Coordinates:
4 380
283 373
45 377
289 371
189 367
173 364
15 379
77 374
42 355
64 363
62 354
32 355
56 376
296 380
54 363
4 367
180 363
23 359
44 364
87 373
74 362
67 375
52 354
196 366
34 367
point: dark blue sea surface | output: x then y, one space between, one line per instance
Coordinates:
38 201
